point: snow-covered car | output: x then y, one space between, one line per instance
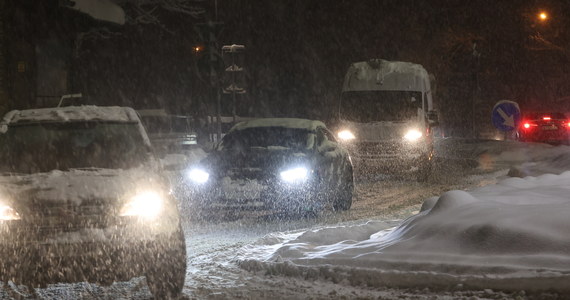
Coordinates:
545 127
281 164
81 200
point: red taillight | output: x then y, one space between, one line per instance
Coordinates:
528 125
547 118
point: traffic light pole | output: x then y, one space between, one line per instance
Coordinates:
214 83
234 88
208 33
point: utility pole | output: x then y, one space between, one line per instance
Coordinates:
234 88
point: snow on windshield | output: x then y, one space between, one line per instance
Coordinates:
42 147
280 122
267 137
484 238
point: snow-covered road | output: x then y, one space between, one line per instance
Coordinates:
215 246
214 272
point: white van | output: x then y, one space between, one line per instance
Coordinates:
386 115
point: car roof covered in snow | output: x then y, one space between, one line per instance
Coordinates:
71 113
295 123
384 75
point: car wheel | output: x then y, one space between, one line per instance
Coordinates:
343 199
166 278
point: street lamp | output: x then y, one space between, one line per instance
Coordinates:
543 16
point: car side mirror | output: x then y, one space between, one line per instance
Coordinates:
433 118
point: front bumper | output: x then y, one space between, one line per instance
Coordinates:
256 195
37 256
388 156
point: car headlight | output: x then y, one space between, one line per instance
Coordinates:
413 135
295 175
7 213
346 135
198 176
147 204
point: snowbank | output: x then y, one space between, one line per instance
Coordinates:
523 159
508 236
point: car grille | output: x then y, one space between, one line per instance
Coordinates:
378 149
248 174
65 216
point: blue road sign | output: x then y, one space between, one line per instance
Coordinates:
506 115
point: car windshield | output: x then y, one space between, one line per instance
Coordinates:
156 124
166 124
376 106
42 147
266 137
180 124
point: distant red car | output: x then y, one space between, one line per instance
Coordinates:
552 128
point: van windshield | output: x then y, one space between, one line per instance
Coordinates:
377 106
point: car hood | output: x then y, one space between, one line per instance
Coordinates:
76 186
268 159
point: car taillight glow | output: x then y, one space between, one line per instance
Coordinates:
546 118
528 125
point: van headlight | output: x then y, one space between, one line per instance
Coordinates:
295 175
7 213
147 204
198 176
346 135
413 135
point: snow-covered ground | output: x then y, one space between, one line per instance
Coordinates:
509 236
481 234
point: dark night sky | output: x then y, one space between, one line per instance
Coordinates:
298 51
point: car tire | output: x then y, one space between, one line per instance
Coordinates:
165 279
343 200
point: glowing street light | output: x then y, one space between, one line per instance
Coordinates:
543 16
198 49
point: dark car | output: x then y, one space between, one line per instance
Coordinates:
282 164
80 200
547 127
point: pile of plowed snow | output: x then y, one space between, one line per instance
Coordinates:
508 236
